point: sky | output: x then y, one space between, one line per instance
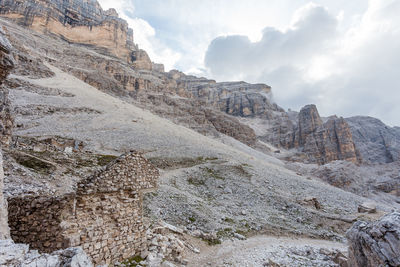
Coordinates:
341 55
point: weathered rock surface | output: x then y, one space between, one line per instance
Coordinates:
12 255
309 122
4 230
140 60
6 119
6 123
331 141
6 59
376 141
375 244
79 21
321 142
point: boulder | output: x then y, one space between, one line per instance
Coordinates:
375 244
12 254
367 207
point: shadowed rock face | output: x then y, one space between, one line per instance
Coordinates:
331 141
322 142
375 244
6 64
6 59
376 141
309 121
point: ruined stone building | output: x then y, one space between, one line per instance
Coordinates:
103 215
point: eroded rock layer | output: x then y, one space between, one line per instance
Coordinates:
325 142
78 21
376 141
375 244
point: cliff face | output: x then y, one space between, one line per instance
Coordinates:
376 141
78 21
325 142
6 64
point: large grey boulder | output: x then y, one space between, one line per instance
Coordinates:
375 244
12 255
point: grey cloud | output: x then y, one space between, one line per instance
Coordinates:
367 83
236 55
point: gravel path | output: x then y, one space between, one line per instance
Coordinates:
260 250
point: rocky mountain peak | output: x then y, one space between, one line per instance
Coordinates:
309 121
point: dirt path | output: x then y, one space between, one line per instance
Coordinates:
257 250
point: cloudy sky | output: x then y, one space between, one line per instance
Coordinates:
342 55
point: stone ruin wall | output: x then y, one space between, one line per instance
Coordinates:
36 221
104 216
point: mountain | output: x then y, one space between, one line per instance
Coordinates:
233 164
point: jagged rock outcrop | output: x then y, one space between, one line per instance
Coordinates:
6 122
321 142
78 21
158 67
375 244
6 119
12 255
331 141
141 60
6 59
309 122
376 141
234 98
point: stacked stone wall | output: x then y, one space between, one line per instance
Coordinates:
103 216
36 221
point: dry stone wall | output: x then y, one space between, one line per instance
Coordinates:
103 216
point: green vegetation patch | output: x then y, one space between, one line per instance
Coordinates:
103 160
196 181
213 173
241 170
34 163
132 262
227 232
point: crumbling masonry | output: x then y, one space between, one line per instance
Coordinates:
103 215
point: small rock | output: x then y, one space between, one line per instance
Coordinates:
239 236
227 190
367 207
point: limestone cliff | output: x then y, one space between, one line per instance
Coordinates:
325 142
376 141
78 21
